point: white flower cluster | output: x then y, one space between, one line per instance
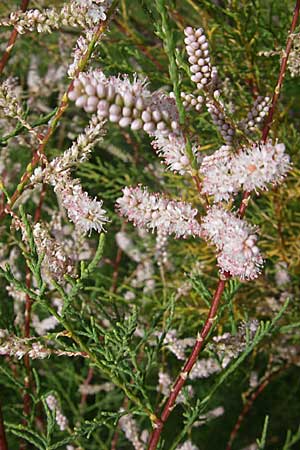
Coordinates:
294 57
76 13
76 154
225 173
235 241
187 445
129 427
79 50
152 211
214 169
11 345
61 420
177 346
56 263
86 213
9 102
228 346
172 149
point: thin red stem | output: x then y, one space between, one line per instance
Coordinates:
3 441
282 72
159 423
12 40
212 315
249 403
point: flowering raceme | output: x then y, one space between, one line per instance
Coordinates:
226 173
153 211
76 13
235 241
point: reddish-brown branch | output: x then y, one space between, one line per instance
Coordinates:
159 423
12 40
3 441
248 405
212 315
282 71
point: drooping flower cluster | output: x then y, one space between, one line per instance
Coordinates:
8 100
225 173
172 149
55 263
77 13
152 211
235 240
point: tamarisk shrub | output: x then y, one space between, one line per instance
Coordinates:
149 178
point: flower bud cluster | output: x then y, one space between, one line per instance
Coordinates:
55 263
199 59
61 420
190 100
235 241
256 116
76 13
225 173
219 119
153 211
127 104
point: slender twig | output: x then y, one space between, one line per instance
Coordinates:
3 441
212 314
39 154
12 40
281 72
27 321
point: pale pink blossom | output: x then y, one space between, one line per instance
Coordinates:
155 212
235 240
